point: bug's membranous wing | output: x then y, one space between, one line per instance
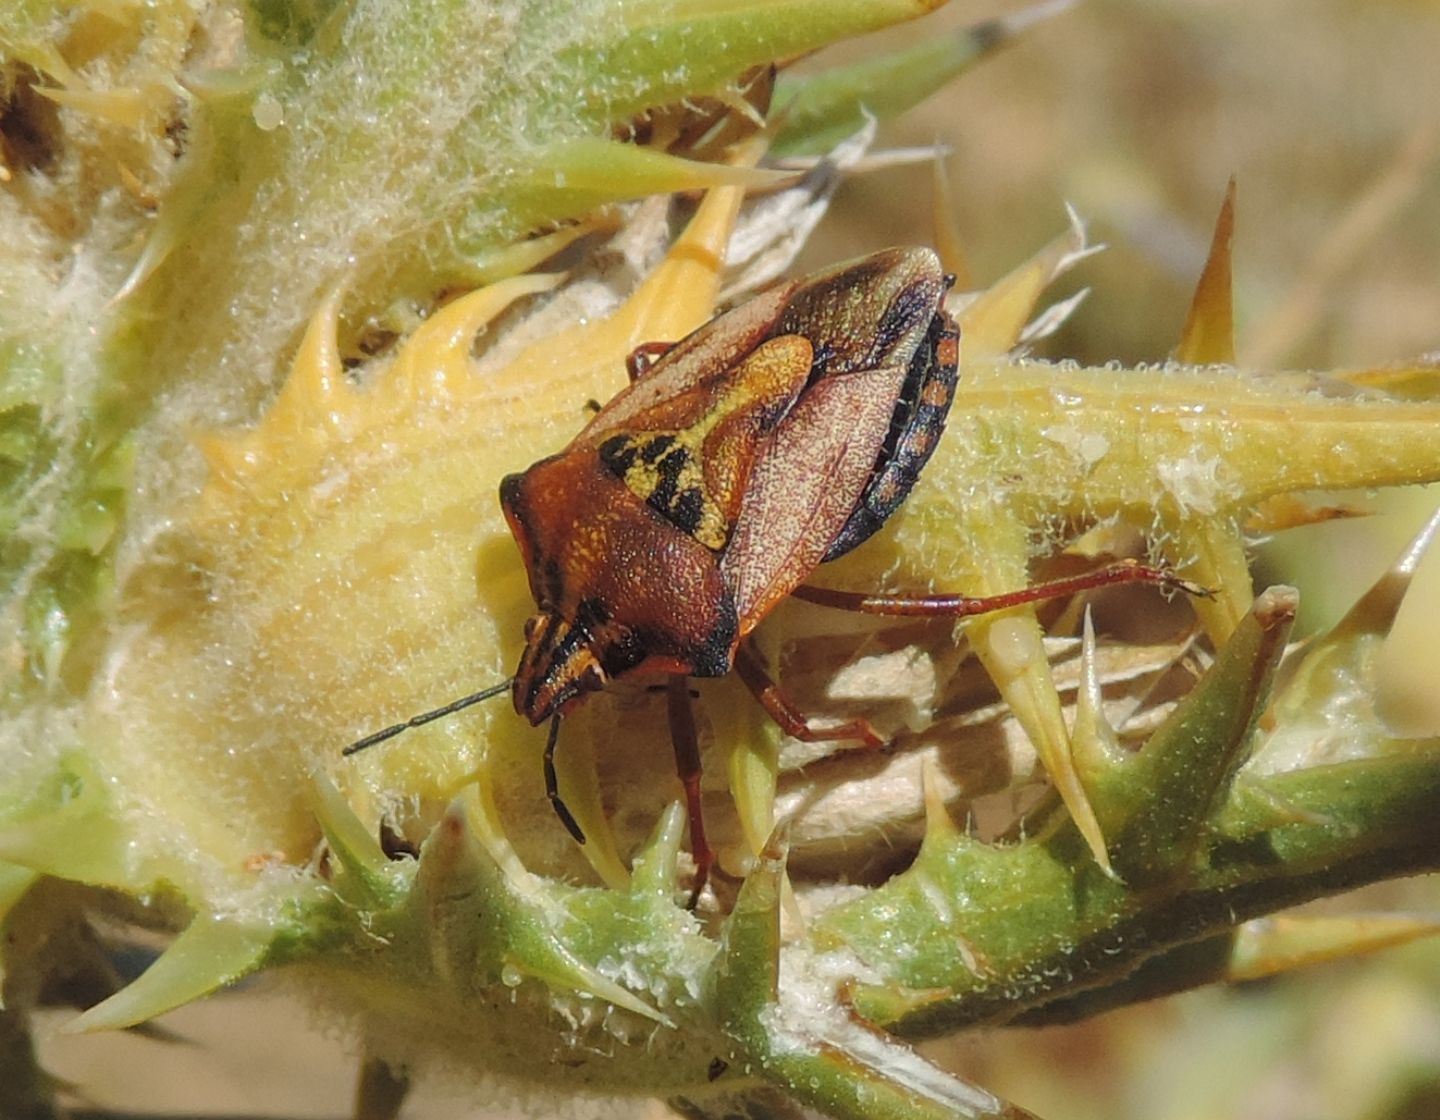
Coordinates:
690 457
869 313
915 430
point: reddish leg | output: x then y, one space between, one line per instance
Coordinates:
792 721
687 766
961 606
639 360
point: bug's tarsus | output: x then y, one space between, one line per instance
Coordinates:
426 717
962 606
791 720
552 785
395 844
687 766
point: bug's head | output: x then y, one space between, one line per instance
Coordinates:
556 669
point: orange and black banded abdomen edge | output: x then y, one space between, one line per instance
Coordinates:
915 428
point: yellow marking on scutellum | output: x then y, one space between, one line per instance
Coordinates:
643 478
769 372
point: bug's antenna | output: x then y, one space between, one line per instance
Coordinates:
552 785
425 717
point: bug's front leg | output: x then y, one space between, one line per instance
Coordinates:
552 784
687 767
961 606
791 720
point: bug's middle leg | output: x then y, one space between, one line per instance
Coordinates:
783 711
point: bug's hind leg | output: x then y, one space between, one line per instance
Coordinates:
782 710
687 767
961 606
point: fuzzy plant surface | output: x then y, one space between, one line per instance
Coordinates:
276 317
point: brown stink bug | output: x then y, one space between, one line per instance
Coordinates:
777 436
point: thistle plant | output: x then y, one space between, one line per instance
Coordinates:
287 289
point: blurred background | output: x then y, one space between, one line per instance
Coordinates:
1328 115
1327 112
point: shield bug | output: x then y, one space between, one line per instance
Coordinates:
778 436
